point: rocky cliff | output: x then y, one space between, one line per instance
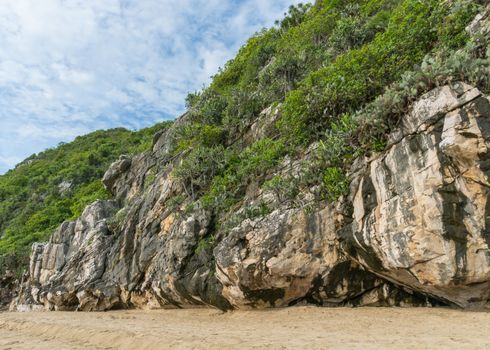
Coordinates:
407 224
412 231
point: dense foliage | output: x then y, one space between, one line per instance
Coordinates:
342 73
57 184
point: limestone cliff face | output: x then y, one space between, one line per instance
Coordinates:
421 210
413 231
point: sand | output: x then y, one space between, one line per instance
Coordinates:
293 328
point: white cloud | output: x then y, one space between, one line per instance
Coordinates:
68 67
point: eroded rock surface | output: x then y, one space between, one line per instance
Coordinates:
421 210
8 288
416 232
289 257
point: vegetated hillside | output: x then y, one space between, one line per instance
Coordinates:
56 185
260 195
339 74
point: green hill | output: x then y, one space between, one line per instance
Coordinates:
55 185
340 73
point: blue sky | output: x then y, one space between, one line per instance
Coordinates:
68 67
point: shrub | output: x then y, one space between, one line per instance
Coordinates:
243 108
252 212
252 164
335 182
359 75
380 117
353 28
295 15
206 107
452 34
198 168
195 135
116 221
205 244
175 202
285 189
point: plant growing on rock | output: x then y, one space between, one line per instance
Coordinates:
198 168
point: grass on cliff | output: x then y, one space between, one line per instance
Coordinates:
56 185
341 72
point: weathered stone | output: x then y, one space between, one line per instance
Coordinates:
481 24
420 215
416 230
115 171
75 257
274 261
289 257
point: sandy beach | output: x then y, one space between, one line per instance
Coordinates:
293 328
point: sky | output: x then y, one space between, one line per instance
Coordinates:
69 67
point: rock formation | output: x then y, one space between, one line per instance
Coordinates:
413 231
421 209
8 289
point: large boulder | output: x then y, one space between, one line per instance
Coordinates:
289 257
421 210
115 171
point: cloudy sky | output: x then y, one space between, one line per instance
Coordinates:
68 67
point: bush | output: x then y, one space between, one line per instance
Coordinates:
252 164
206 107
294 17
380 117
251 212
198 168
285 189
335 182
356 77
243 108
195 135
353 29
32 203
205 244
452 34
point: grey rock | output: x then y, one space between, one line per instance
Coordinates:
289 257
481 24
413 230
115 171
420 210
